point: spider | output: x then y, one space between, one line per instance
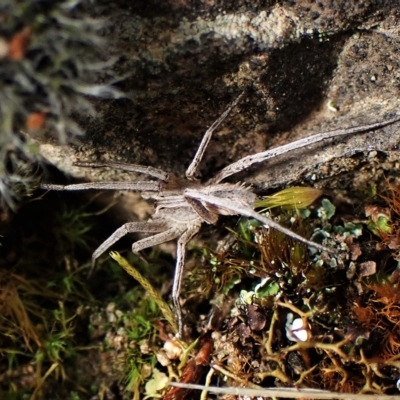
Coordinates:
182 205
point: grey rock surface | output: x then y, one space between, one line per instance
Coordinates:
306 67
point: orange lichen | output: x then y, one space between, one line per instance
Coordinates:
35 120
391 345
386 292
393 198
366 316
19 43
382 313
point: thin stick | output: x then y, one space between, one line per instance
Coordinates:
287 393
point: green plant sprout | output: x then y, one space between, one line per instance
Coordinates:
166 311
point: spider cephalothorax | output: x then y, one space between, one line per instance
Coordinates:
182 205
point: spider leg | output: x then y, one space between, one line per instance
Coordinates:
245 210
140 186
130 227
162 237
180 263
207 215
248 161
142 169
193 167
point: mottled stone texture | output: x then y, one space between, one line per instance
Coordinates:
306 67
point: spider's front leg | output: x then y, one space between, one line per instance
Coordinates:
194 165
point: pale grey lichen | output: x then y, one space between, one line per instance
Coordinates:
265 30
51 58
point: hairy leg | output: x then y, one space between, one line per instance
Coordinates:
141 186
180 263
248 161
142 169
165 236
130 227
193 167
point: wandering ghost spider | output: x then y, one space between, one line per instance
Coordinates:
182 205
